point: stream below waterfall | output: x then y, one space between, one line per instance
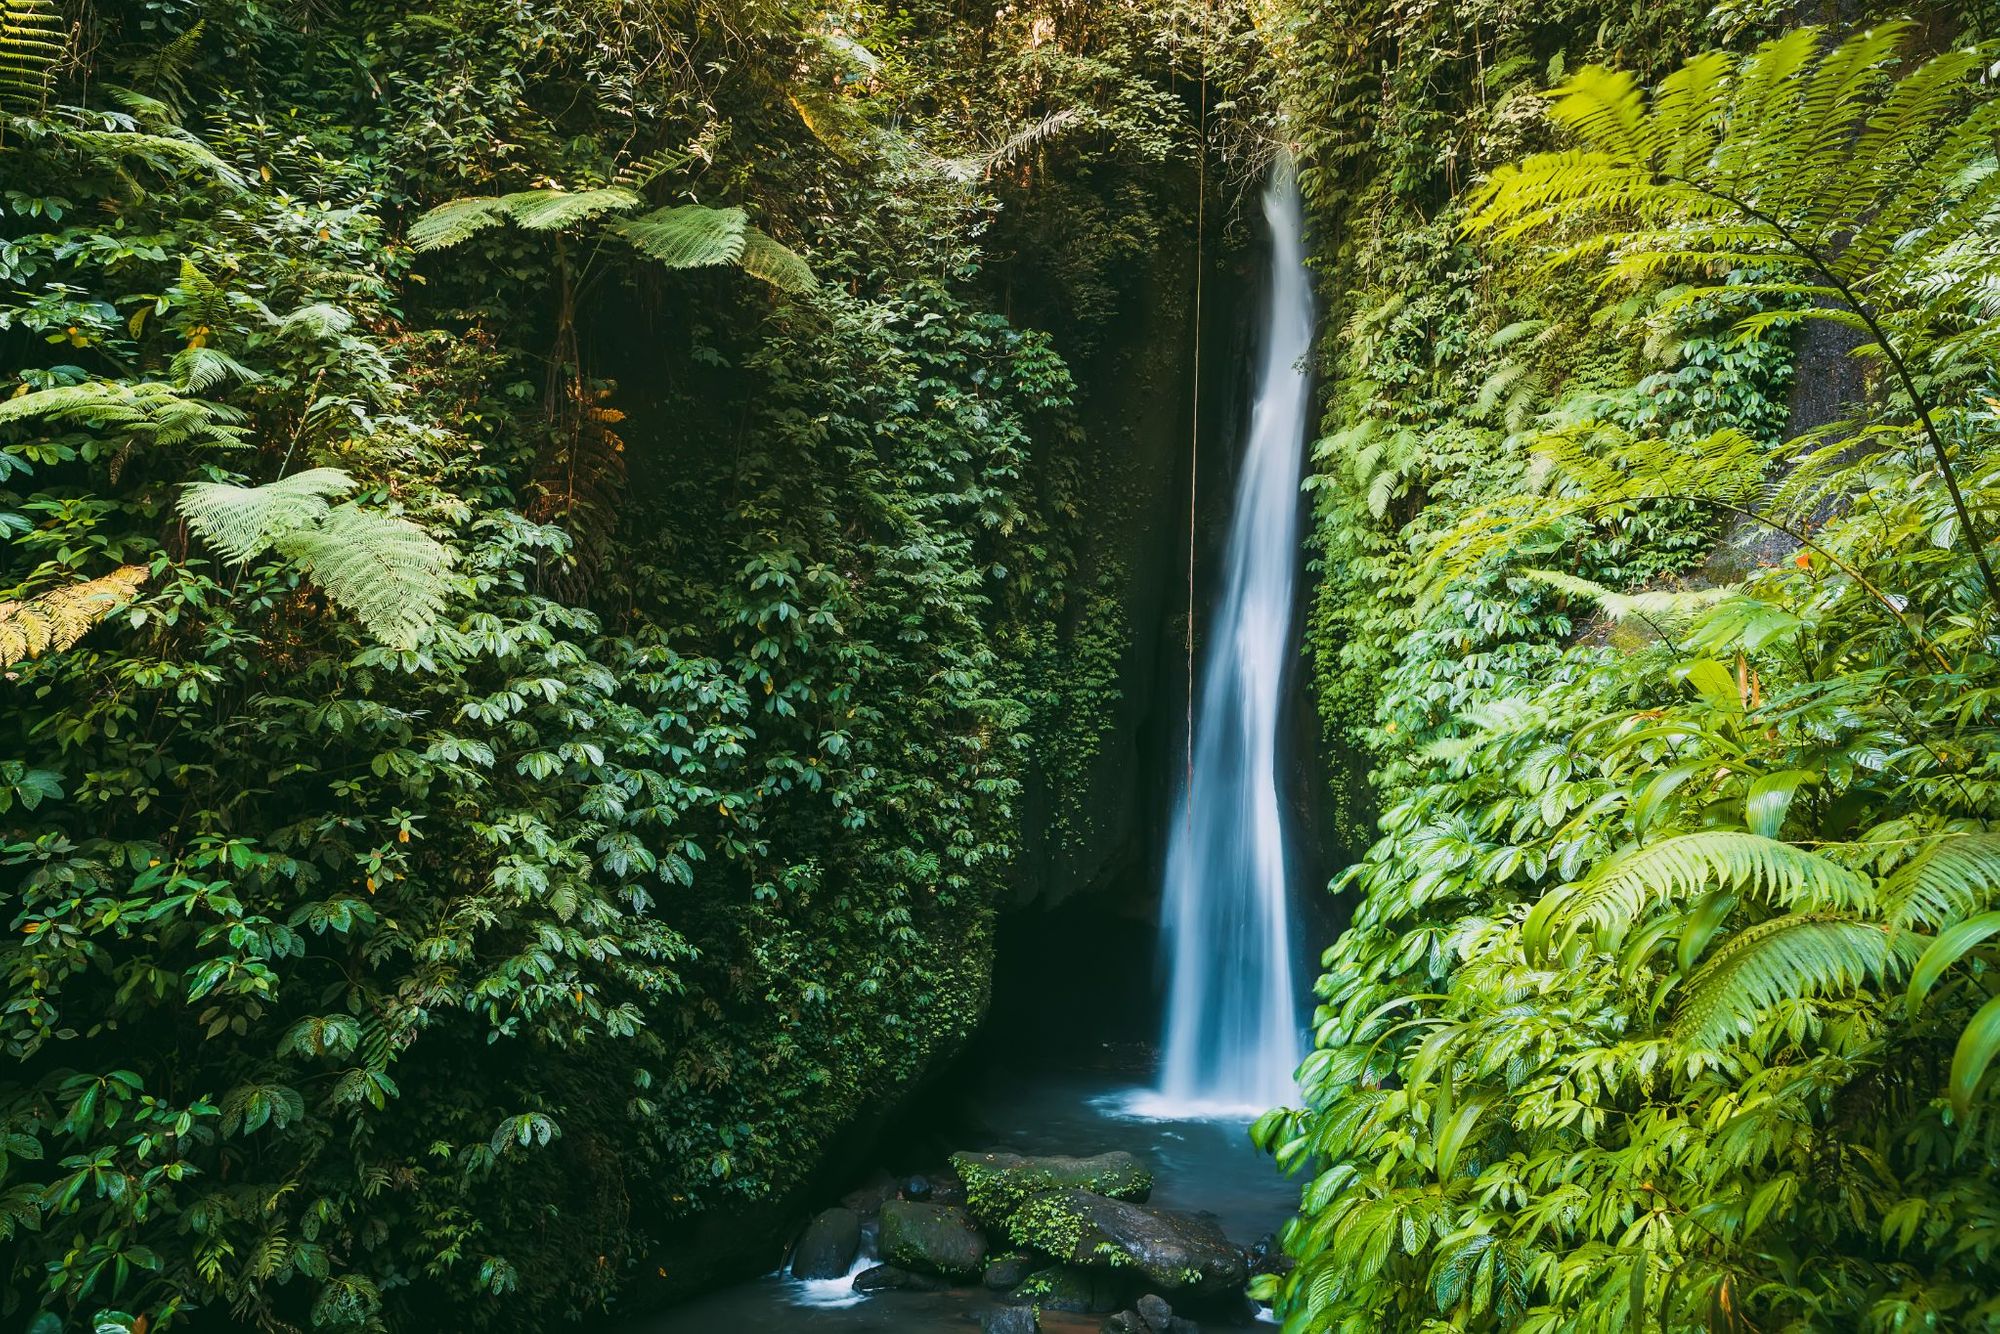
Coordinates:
1198 1166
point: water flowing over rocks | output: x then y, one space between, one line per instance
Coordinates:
828 1246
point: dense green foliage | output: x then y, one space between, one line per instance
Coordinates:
500 816
1666 999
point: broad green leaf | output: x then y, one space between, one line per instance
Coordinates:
1770 798
1950 946
1973 1054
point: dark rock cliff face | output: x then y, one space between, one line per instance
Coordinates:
1139 409
1082 935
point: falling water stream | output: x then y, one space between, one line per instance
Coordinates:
1232 1031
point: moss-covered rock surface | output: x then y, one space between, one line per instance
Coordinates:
997 1185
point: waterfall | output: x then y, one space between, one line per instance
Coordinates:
1232 1031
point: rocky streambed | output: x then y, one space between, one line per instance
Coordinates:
1040 1235
1082 1206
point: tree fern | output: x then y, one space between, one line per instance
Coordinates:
1798 955
390 573
683 236
455 220
1848 184
553 210
200 369
775 264
156 411
642 171
57 619
1660 606
1595 473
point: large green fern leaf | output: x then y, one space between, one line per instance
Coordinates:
1796 956
776 264
1956 876
391 574
549 210
1628 885
687 236
32 41
241 521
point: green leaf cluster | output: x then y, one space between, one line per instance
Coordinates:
1666 998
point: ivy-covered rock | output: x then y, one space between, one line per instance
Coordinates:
1174 1251
932 1238
998 1184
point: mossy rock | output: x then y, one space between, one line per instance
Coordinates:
932 1238
1175 1252
998 1184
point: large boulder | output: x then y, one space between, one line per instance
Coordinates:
998 1184
1176 1252
1011 1320
1006 1271
828 1245
932 1238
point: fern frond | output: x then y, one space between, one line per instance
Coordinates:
1630 884
241 521
165 67
550 210
455 220
1008 149
319 318
32 42
776 264
391 574
1786 958
171 151
1030 137
57 619
1956 877
148 408
642 171
200 369
687 236
1658 604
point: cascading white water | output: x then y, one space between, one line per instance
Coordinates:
1232 1034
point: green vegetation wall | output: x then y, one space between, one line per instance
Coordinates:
1666 998
553 778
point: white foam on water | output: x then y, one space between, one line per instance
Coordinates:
830 1293
1153 1105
